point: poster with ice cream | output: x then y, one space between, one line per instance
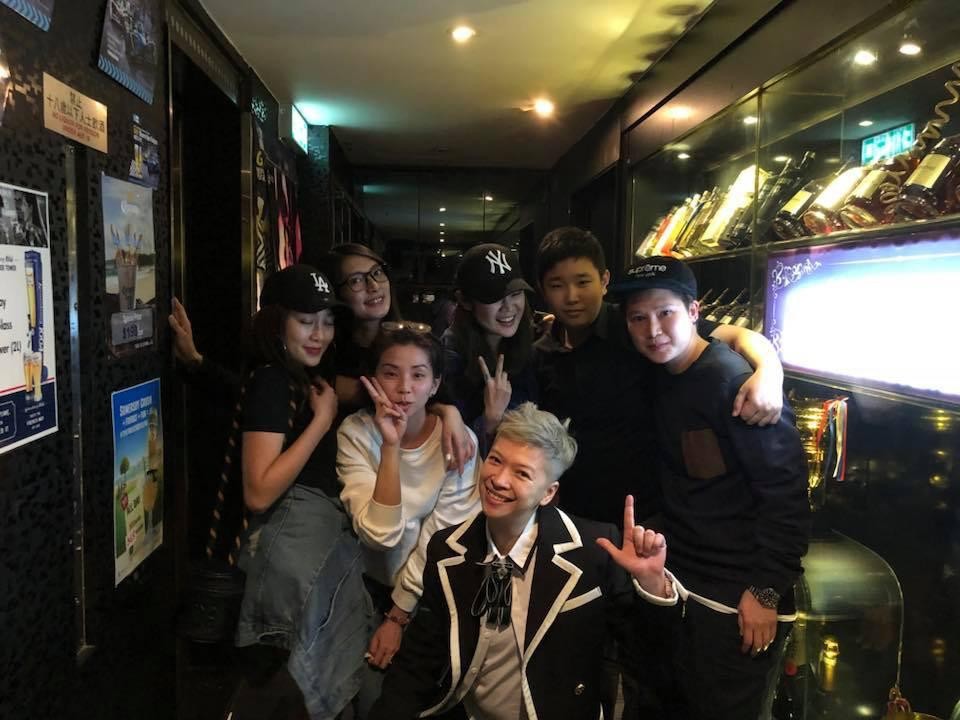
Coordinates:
130 256
28 384
137 475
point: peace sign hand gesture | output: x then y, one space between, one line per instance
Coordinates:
496 394
643 553
391 421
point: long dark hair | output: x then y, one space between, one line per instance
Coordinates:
332 267
471 342
266 346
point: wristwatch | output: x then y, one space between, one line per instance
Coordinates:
767 597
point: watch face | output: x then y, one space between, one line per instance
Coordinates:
768 597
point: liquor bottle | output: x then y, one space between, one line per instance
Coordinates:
709 307
691 243
720 311
676 225
931 189
787 702
823 216
865 206
734 313
738 197
787 223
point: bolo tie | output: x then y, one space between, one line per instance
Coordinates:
495 595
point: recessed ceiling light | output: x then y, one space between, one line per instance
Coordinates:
462 33
750 120
865 57
683 156
443 209
441 239
909 47
442 232
488 198
832 160
543 107
679 112
443 224
865 123
781 158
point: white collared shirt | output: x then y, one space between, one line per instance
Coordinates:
493 680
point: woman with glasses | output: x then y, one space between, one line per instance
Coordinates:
395 483
362 282
488 349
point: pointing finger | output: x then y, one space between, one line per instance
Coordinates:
628 519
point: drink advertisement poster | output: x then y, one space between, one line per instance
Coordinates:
28 385
39 12
130 255
137 475
129 45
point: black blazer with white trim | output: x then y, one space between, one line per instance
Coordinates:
578 595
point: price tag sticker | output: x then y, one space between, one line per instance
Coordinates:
130 327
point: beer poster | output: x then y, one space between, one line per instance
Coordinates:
28 384
130 284
137 476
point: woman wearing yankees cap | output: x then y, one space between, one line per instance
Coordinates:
489 347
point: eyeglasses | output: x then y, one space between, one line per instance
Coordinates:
358 281
394 325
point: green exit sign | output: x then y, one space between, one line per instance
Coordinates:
887 144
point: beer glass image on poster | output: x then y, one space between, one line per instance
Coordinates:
130 262
137 475
28 391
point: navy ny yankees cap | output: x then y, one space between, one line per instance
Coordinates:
657 272
301 288
489 272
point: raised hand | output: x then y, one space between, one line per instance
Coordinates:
642 553
496 394
323 402
391 421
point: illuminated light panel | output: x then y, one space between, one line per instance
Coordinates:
462 33
683 156
543 107
887 144
865 57
680 112
750 120
781 158
865 123
910 48
299 128
830 312
488 198
443 209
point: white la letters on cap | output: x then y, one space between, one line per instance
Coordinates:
498 262
320 283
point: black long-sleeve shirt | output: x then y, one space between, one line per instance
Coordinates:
734 495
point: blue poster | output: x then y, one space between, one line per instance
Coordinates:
129 47
39 12
137 475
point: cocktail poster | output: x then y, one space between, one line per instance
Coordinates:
129 47
28 384
137 475
39 12
130 256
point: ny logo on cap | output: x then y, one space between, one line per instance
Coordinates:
498 262
320 283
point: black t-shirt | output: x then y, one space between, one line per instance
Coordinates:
266 408
734 495
603 385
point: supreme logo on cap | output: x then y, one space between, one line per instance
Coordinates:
647 270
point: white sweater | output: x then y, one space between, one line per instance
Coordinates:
395 537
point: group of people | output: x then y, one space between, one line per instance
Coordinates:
477 525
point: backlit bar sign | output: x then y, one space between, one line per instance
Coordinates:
866 315
298 127
887 144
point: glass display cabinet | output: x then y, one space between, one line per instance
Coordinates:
823 209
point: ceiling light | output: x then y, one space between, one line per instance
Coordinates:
864 57
441 239
543 107
443 224
909 47
462 33
442 232
832 160
750 120
443 209
679 112
488 198
865 123
781 158
683 156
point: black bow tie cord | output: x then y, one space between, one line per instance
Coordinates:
494 597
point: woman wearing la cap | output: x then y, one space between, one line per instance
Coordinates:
361 280
304 609
489 347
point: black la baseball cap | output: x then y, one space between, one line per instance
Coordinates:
489 272
301 288
657 272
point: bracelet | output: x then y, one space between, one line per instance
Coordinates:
398 621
